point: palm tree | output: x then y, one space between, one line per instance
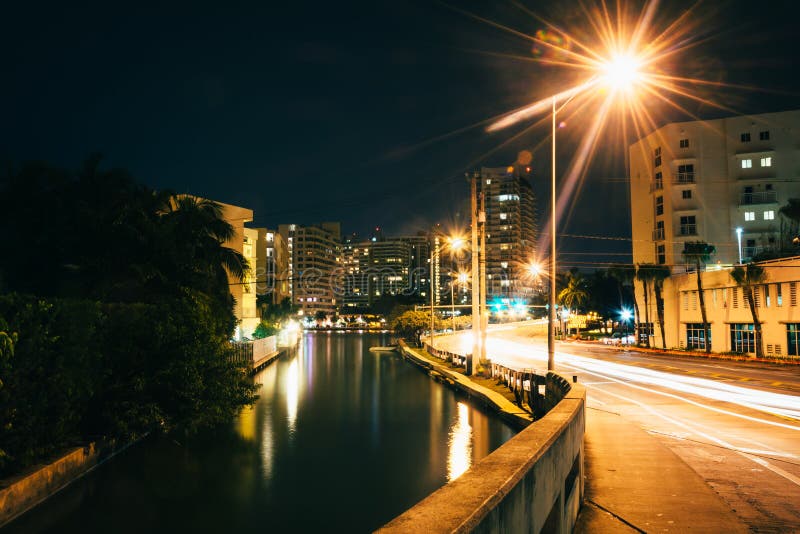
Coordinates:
624 275
748 277
574 293
659 274
791 211
644 273
699 253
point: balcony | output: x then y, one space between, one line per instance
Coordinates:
658 234
760 197
683 178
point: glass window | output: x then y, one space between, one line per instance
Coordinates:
766 162
743 337
749 216
684 143
793 338
745 137
778 295
503 216
662 254
747 163
769 215
763 136
696 336
688 225
659 205
686 193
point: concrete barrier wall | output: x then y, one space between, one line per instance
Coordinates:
25 492
532 483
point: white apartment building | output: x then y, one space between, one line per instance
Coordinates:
721 182
701 180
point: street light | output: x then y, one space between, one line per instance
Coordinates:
625 315
620 72
454 243
739 239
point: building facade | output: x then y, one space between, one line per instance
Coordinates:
703 180
272 272
510 231
732 327
315 266
250 315
244 301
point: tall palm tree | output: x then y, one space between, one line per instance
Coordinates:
659 274
699 253
574 293
644 273
624 275
748 277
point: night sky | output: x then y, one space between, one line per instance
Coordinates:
348 111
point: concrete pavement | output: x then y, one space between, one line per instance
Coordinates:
635 484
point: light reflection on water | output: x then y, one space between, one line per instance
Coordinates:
459 458
358 436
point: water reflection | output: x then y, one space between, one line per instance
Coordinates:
358 436
459 458
292 390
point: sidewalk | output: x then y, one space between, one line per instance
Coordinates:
635 484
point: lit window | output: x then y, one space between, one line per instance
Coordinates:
684 143
503 216
745 137
766 162
769 215
747 163
763 136
749 216
489 181
504 264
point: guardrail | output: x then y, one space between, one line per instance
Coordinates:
256 353
532 483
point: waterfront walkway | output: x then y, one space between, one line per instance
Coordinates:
635 484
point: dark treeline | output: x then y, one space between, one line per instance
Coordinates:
115 311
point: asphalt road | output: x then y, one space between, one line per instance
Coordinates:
737 424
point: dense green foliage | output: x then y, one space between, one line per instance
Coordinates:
115 311
411 324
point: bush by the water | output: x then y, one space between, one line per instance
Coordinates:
115 312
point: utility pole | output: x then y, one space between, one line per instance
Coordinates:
482 261
476 317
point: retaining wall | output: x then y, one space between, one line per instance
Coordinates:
532 483
22 493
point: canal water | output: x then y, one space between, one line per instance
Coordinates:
341 439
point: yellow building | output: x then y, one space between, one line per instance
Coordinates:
728 312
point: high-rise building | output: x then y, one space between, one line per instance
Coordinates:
510 231
315 265
272 269
419 263
355 263
703 180
375 268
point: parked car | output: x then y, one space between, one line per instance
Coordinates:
619 338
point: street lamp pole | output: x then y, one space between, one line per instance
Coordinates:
434 257
551 316
452 303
